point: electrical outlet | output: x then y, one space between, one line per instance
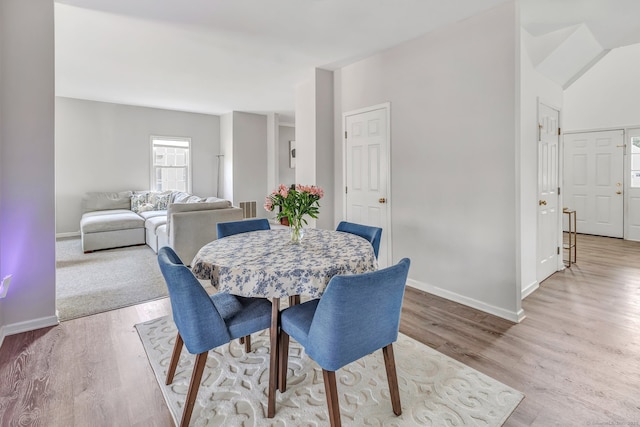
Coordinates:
4 287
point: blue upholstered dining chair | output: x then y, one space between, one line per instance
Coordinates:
230 228
234 227
341 326
205 322
372 234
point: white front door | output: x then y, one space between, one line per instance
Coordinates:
367 172
548 213
632 218
593 181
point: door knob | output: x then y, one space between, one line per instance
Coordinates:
382 200
618 192
542 202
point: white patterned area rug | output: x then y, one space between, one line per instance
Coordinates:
435 390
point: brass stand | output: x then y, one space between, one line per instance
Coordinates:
571 245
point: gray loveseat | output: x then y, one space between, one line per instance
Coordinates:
176 219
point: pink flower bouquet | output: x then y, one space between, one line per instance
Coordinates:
295 203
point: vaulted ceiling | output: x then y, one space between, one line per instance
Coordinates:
215 56
564 39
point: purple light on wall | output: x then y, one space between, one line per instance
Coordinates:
17 228
22 239
4 286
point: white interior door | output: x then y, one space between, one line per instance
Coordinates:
632 218
367 172
548 212
593 181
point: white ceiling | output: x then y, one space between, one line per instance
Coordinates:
217 56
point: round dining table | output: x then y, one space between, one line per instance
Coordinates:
267 264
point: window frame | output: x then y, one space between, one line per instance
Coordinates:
160 140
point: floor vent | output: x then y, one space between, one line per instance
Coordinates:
248 209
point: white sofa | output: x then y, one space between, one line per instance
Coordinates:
176 219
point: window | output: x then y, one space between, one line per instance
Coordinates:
170 164
635 162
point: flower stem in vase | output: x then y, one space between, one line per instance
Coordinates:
296 230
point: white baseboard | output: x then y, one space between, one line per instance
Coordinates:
68 234
512 316
30 325
2 335
528 290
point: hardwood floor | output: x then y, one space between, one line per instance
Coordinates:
576 356
90 371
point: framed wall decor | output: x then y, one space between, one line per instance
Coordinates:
292 154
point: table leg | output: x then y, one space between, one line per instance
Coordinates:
273 361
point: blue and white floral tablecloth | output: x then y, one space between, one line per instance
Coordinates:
266 264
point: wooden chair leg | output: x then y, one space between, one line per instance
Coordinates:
392 378
283 357
331 390
284 351
246 340
194 385
293 300
273 357
175 357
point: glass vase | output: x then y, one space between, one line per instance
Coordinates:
296 231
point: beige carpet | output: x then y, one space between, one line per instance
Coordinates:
104 280
435 390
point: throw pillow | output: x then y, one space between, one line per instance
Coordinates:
138 199
180 197
160 201
163 202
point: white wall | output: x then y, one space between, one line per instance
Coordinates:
454 116
250 169
534 87
315 141
325 167
606 96
273 148
106 147
3 36
286 175
244 141
27 216
226 149
306 131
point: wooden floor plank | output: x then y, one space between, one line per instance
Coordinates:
576 356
